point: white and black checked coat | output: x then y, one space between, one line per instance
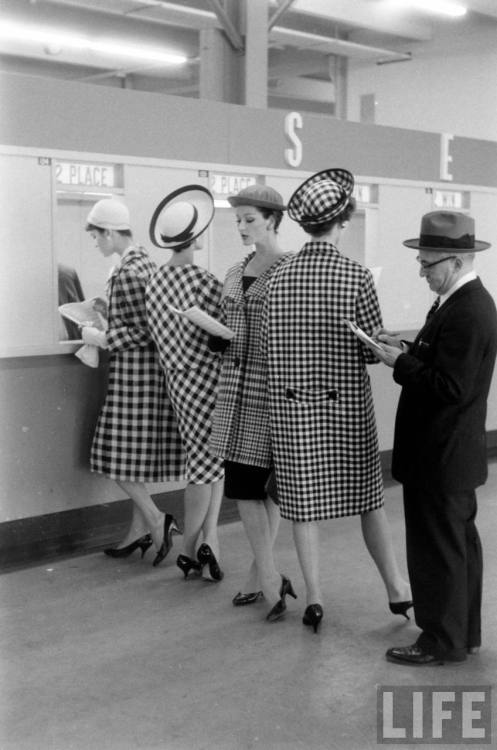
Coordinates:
191 369
321 408
240 430
136 436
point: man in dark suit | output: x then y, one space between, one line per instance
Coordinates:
439 452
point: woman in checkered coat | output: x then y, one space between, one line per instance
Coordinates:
190 367
135 439
240 432
321 406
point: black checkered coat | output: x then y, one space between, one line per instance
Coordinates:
240 430
321 408
191 369
136 437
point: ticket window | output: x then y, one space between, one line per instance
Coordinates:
81 269
353 239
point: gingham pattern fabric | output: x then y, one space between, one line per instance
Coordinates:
136 436
240 430
191 369
321 197
321 408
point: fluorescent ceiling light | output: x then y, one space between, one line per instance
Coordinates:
16 32
443 7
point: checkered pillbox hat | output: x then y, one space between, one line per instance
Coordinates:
321 197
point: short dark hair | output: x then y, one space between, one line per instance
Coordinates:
122 232
318 230
276 213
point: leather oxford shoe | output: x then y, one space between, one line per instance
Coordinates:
412 656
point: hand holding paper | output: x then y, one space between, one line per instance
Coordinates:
362 335
205 321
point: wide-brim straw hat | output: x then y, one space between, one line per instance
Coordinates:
321 197
181 216
443 231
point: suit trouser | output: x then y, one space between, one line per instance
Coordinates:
444 559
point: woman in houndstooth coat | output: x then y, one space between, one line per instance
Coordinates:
321 406
240 432
191 369
135 439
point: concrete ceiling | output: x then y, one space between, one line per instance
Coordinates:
306 38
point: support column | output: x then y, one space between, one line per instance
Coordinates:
256 53
211 73
220 75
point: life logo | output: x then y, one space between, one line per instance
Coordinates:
425 714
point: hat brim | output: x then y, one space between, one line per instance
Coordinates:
234 201
478 246
203 201
341 177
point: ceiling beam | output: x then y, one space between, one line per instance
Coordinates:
330 45
375 16
284 5
229 29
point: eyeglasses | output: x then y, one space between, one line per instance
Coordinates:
426 266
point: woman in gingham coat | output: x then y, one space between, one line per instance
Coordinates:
240 432
321 407
135 439
190 367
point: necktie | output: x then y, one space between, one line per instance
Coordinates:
433 308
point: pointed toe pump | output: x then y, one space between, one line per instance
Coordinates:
143 543
206 556
241 600
400 608
170 528
279 609
313 616
186 564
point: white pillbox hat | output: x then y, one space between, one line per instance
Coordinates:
109 213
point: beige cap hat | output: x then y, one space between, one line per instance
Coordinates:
109 213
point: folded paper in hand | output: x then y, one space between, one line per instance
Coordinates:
205 321
90 312
362 335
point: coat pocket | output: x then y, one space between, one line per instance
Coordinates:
302 395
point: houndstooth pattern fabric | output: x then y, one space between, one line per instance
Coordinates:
321 408
136 437
240 429
191 369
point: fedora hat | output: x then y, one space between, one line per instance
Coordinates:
262 196
447 230
321 197
181 216
109 213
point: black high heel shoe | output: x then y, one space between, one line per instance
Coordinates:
206 556
313 616
186 564
170 528
240 600
279 609
400 608
143 543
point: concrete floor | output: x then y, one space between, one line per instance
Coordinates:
100 654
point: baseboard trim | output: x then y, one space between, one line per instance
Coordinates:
30 541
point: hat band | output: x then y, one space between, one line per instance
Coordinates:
184 235
465 241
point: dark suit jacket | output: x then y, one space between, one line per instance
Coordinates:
440 438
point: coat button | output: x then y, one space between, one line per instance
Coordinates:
289 393
236 361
